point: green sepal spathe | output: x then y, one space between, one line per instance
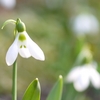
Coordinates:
20 26
33 91
7 22
56 92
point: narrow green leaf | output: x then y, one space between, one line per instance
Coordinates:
8 21
56 92
33 91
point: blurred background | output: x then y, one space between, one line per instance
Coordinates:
61 28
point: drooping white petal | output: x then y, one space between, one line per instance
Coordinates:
34 49
24 52
73 74
95 78
12 53
82 82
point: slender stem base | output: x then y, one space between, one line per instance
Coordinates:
14 82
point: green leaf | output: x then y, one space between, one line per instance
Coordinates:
33 91
56 92
8 21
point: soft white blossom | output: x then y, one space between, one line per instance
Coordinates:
82 76
8 4
23 45
85 24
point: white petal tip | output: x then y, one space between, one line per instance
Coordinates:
8 64
42 58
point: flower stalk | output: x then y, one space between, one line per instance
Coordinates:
14 82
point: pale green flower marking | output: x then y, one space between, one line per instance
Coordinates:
22 37
22 46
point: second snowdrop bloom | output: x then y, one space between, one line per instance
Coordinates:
8 4
85 24
23 45
82 76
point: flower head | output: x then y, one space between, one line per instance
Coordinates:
82 76
8 4
85 24
23 45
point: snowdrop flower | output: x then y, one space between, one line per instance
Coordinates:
23 45
8 4
81 76
85 24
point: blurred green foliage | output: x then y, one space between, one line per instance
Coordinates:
48 24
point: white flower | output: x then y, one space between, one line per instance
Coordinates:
8 4
82 76
23 45
85 24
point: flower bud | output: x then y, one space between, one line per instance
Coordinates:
20 26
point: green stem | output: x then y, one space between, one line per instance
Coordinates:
14 82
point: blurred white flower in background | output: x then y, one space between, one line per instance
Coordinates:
8 4
85 24
82 76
